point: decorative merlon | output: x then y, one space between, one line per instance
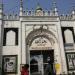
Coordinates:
11 17
39 13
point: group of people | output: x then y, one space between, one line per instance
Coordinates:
48 70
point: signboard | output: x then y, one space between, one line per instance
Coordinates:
70 61
10 64
41 43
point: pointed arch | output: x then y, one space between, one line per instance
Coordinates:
10 39
68 36
40 33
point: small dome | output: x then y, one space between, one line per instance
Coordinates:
38 7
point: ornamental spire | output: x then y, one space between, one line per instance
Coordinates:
1 4
73 8
1 9
54 8
21 7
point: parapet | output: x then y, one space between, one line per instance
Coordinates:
11 17
40 13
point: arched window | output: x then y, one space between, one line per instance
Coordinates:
10 38
68 36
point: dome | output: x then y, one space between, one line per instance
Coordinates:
38 8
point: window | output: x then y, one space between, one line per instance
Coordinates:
10 39
10 36
68 36
70 61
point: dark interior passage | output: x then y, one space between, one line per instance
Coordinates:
38 61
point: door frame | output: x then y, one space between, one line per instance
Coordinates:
43 57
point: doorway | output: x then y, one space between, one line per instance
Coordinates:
38 61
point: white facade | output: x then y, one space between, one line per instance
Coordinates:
33 32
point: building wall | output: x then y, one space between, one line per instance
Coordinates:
13 49
25 26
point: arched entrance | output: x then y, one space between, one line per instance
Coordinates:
40 47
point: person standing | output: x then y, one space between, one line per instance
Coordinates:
24 70
48 69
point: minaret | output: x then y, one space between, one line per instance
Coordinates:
21 8
73 11
1 10
1 34
54 8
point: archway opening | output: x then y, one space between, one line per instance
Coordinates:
40 44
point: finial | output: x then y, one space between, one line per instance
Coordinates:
73 5
38 6
73 8
54 4
21 7
1 4
21 3
54 8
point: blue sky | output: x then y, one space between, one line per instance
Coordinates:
64 6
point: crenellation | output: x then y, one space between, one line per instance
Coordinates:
66 17
11 17
34 13
40 13
28 13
